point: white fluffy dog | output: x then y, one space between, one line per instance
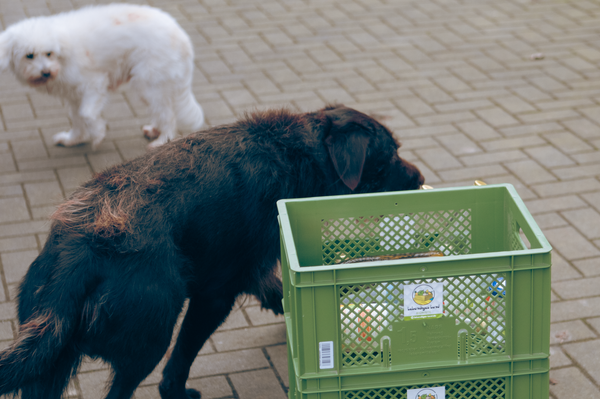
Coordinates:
82 55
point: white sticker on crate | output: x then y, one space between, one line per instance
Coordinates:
423 301
426 393
326 355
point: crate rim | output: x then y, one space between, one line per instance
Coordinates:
294 264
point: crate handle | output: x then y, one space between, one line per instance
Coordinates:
462 344
385 343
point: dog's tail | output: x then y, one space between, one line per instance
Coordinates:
190 116
49 302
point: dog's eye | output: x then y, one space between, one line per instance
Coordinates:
49 54
30 56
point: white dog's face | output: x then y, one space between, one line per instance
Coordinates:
32 55
36 68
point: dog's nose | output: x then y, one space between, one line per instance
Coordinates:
46 74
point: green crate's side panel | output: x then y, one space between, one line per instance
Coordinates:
516 323
320 325
530 386
421 375
508 386
531 307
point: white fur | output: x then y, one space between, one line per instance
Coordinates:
82 55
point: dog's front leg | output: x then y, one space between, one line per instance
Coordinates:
77 134
87 122
203 317
270 293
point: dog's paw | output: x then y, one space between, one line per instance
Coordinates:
150 132
188 393
193 393
67 139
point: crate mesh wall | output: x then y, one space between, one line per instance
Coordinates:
367 311
476 389
448 231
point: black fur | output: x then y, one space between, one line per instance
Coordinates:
195 219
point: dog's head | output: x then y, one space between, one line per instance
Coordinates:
31 50
364 153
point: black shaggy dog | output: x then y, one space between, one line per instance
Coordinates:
195 218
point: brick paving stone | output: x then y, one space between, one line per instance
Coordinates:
577 288
585 220
229 362
17 243
438 158
492 157
210 387
15 264
567 142
595 323
588 157
475 173
569 380
563 270
582 127
13 209
570 243
93 384
532 129
530 171
572 186
44 193
21 229
570 331
101 161
589 267
278 356
549 156
6 331
586 354
459 144
478 130
558 358
249 337
236 319
259 384
576 172
71 178
549 220
259 316
574 309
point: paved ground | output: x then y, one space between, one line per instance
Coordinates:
454 78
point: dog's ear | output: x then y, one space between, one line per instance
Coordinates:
347 141
4 51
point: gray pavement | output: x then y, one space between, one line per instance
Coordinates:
454 78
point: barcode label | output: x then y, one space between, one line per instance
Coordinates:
326 355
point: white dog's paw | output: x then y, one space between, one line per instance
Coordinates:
67 139
150 132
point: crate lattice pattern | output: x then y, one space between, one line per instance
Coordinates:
476 389
367 311
448 231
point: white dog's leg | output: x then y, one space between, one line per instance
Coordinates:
164 123
87 123
77 134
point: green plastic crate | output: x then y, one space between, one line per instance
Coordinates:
493 282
